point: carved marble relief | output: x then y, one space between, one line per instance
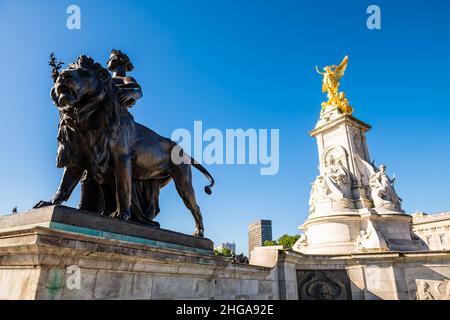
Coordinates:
335 180
432 289
323 285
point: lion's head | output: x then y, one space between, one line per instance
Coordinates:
85 97
84 82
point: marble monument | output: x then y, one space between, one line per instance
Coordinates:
354 205
357 241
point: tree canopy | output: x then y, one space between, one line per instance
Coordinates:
225 252
287 241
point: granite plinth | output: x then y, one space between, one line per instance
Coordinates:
83 222
40 263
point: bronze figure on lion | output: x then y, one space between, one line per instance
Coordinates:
121 164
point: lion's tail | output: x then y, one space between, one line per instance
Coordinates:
205 172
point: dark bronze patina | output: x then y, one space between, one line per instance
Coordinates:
122 165
129 90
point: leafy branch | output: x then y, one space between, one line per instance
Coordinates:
55 65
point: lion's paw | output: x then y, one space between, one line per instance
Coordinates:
42 204
116 215
198 233
120 215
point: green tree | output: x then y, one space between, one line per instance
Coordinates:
269 243
288 241
225 252
285 240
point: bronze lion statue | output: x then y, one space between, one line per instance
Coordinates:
121 164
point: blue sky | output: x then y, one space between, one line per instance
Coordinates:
239 64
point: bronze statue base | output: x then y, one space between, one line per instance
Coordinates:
72 220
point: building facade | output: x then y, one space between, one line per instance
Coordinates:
228 245
258 232
434 229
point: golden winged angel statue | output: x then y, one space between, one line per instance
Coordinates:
330 84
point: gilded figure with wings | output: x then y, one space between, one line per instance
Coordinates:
330 84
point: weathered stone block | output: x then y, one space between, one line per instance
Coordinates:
91 224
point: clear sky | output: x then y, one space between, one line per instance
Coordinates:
239 64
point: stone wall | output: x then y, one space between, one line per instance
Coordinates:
373 276
41 263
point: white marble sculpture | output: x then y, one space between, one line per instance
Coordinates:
334 184
432 289
300 244
337 179
350 193
382 187
317 191
371 239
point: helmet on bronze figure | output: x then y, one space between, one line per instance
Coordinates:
117 58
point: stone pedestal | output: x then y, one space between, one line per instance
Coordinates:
342 138
62 253
349 212
41 260
71 220
337 234
390 275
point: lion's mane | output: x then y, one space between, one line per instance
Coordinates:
86 128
